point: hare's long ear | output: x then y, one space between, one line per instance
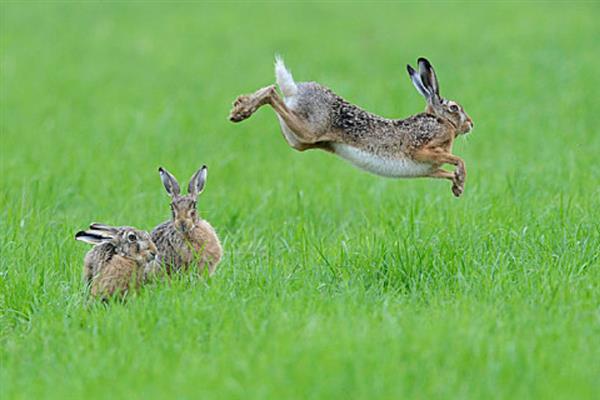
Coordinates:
92 237
104 228
416 80
428 77
197 181
169 182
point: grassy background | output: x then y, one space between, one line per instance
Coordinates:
335 283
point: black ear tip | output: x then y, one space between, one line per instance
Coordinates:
161 169
204 167
79 234
410 69
424 61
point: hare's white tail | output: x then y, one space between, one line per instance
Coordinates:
285 81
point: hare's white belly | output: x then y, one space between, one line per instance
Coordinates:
400 167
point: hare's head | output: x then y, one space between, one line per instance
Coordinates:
183 207
127 241
427 84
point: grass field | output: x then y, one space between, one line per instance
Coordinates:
335 283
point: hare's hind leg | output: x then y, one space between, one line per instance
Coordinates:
295 130
440 156
247 104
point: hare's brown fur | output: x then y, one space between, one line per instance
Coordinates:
312 116
115 266
118 275
186 239
179 250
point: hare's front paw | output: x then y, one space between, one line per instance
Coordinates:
458 183
459 176
458 189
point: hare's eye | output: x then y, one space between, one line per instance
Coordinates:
131 237
453 107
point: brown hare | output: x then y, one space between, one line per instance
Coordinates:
121 259
186 238
314 117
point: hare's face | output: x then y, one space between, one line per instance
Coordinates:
185 216
453 112
137 245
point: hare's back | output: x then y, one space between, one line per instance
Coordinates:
314 103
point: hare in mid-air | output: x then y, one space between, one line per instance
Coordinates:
313 117
186 238
122 258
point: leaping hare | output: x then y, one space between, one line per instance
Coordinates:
186 238
120 260
313 117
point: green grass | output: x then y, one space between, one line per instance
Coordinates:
335 283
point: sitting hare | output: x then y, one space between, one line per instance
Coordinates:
313 117
186 238
120 260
